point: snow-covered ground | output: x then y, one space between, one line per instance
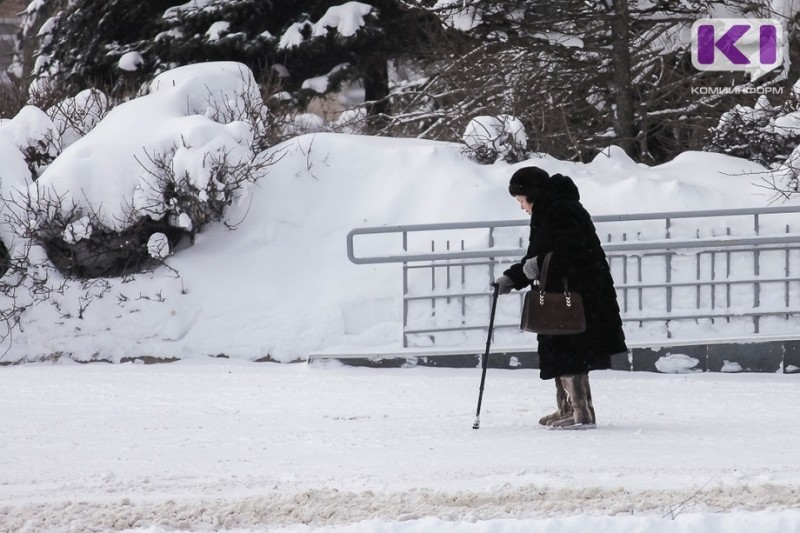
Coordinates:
204 445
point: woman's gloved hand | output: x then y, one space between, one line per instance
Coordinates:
531 269
504 284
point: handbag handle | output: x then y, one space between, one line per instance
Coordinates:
543 281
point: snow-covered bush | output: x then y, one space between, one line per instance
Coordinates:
768 135
24 267
489 139
785 178
300 123
35 135
350 121
74 117
189 146
762 133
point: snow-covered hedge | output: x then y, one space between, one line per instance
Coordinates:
762 133
166 162
488 139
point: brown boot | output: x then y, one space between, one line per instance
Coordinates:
578 393
563 411
585 382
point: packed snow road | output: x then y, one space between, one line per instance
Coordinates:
226 444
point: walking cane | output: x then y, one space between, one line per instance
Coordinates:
485 361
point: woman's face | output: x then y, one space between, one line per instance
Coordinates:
524 204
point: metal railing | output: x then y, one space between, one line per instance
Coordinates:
673 271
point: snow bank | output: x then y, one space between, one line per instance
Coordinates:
331 511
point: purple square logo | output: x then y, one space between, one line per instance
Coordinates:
756 46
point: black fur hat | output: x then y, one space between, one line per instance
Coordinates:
530 182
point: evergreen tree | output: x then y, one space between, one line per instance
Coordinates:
84 40
324 43
167 33
223 30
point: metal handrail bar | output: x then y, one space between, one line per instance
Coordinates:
698 214
442 296
661 244
667 216
619 286
446 263
705 282
654 318
707 244
600 218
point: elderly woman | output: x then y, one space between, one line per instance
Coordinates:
560 224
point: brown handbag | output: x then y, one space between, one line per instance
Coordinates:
552 313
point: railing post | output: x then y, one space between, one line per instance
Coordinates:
697 278
713 278
491 258
728 275
463 284
405 291
640 278
447 272
756 274
668 280
786 271
433 289
668 260
625 277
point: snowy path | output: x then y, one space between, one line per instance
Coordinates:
235 444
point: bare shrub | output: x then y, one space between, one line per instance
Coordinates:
488 139
76 116
184 203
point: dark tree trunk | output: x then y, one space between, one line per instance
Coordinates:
623 86
376 92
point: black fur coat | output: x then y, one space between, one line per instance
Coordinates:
561 225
